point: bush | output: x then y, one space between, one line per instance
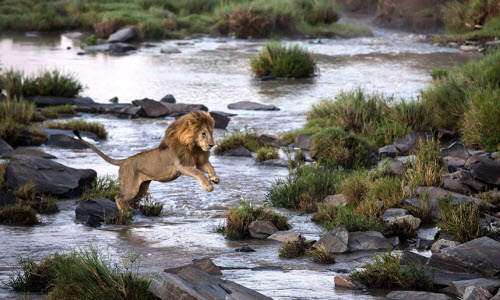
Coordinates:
427 169
326 212
18 214
355 186
266 153
102 187
42 204
387 189
310 182
15 110
91 40
239 218
281 60
246 138
413 114
346 216
387 272
81 125
51 112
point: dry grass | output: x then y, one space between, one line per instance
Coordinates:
18 214
427 169
294 249
51 112
15 109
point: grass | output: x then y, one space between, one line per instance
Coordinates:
238 138
403 230
150 207
81 125
325 212
3 168
355 186
461 221
44 83
427 169
18 214
310 184
320 255
119 218
336 30
239 218
42 204
102 187
424 213
295 249
266 153
15 109
51 112
347 217
387 272
82 274
92 40
282 60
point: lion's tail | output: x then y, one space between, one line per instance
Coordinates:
116 162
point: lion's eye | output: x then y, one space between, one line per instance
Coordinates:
203 134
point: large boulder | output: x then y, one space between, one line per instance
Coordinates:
262 229
48 176
335 241
65 142
204 264
488 173
248 105
151 108
407 258
43 101
368 240
4 147
414 295
456 185
443 278
476 293
490 284
169 98
101 209
29 152
474 159
123 35
221 119
456 149
481 256
467 178
179 109
303 141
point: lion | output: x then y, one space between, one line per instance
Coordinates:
184 150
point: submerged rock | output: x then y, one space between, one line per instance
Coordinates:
248 105
205 264
414 295
262 229
110 48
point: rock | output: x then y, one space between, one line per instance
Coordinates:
48 176
481 256
7 198
395 213
43 101
151 108
92 222
476 293
492 45
345 281
490 284
409 142
29 152
267 268
100 209
434 193
335 241
413 295
466 177
368 240
178 109
284 236
497 296
170 50
455 161
407 257
456 149
407 159
113 100
413 202
49 132
268 139
4 147
227 47
413 221
245 249
240 151
128 111
303 141
184 43
221 119
262 229
65 142
388 151
443 243
123 35
488 173
169 98
248 105
335 200
443 278
456 185
277 163
467 48
268 78
193 284
205 264
110 48
391 165
474 159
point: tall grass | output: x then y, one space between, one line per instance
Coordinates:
17 110
427 169
281 60
353 222
80 125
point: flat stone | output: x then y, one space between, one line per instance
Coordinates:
395 212
368 240
221 119
335 241
248 105
488 173
262 229
388 151
5 148
205 264
455 161
407 257
284 236
467 178
443 243
240 151
391 165
413 295
170 50
456 185
413 221
456 149
476 293
490 284
345 281
123 35
474 159
443 278
303 141
413 202
335 200
151 108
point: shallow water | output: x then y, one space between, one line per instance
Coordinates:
390 62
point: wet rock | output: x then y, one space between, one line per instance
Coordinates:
455 161
407 257
221 119
388 151
169 98
4 147
303 141
151 108
267 268
268 78
345 281
488 173
123 35
48 176
262 229
65 142
368 240
456 149
101 209
481 256
268 139
113 100
469 48
240 151
277 163
391 165
43 101
443 278
456 185
476 293
466 177
248 105
284 236
490 284
92 222
170 50
335 241
193 284
335 200
245 249
413 295
87 134
7 198
205 264
110 48
179 109
443 243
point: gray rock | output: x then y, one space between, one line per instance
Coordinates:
221 119
127 111
262 229
394 213
408 143
268 139
490 284
488 173
205 264
113 100
443 278
388 151
433 193
413 295
101 209
474 159
240 151
492 45
391 165
303 141
413 202
284 236
4 147
468 48
7 198
497 296
368 240
170 50
455 161
466 177
65 142
481 256
123 35
335 241
345 281
87 134
48 176
179 109
456 185
443 243
248 105
277 163
407 257
413 221
476 293
110 48
151 108
43 101
335 200
169 98
456 149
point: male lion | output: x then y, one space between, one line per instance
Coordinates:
186 145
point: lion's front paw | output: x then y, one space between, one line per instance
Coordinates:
209 188
215 179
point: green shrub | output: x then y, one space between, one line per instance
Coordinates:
266 153
355 186
81 125
281 60
325 212
238 138
51 112
387 272
42 204
102 187
387 189
18 214
91 40
239 218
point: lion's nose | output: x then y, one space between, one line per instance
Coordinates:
211 145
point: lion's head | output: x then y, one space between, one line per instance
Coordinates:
191 133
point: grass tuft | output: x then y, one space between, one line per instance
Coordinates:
51 112
18 214
238 138
347 217
294 249
427 169
102 187
266 153
320 255
80 125
150 207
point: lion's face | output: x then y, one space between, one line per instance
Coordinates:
205 138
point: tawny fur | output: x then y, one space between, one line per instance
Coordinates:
185 150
